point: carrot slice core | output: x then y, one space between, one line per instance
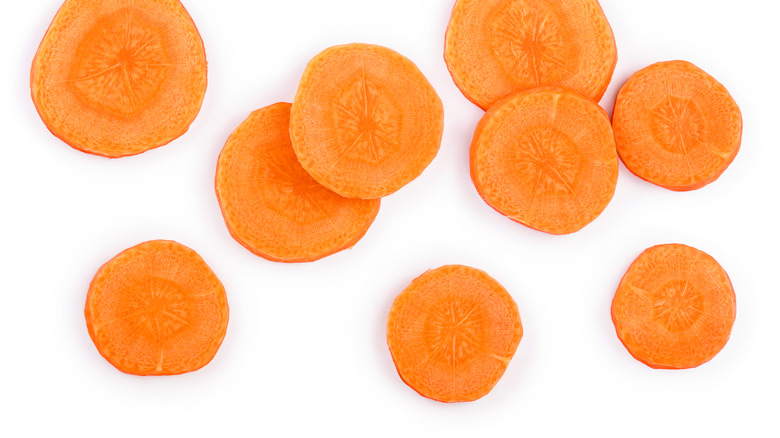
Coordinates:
676 126
452 333
365 121
494 48
674 307
545 158
272 206
157 309
117 78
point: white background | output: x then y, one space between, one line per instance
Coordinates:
305 350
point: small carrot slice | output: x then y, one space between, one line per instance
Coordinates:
674 307
494 48
117 77
546 159
157 309
272 206
452 333
676 126
365 121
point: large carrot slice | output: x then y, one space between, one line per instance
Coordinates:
546 159
119 77
157 309
452 333
272 206
676 126
494 48
674 308
365 121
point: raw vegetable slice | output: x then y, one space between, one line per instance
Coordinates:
674 307
676 126
119 77
365 121
272 206
157 309
545 158
494 48
452 333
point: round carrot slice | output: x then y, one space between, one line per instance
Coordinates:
157 309
365 121
494 48
676 126
674 308
116 77
452 333
272 206
546 159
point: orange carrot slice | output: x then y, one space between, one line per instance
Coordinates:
676 126
546 159
157 309
272 206
674 308
365 121
117 77
494 48
452 333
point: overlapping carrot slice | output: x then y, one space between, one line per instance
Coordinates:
157 309
119 77
365 121
272 206
545 158
452 333
494 48
674 308
676 126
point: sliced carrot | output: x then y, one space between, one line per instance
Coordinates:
118 77
676 126
674 308
157 309
272 206
365 121
494 48
452 333
546 159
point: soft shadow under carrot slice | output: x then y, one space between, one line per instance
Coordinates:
452 333
118 77
545 158
365 121
157 309
676 126
494 48
272 206
674 307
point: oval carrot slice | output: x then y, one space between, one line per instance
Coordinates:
546 159
494 48
676 126
674 307
157 309
365 121
452 333
116 77
272 206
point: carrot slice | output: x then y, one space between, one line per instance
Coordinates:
494 48
546 159
674 308
365 121
117 77
157 309
452 333
272 206
676 126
